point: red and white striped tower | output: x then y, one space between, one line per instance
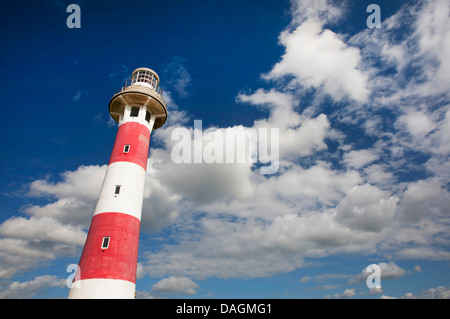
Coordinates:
107 267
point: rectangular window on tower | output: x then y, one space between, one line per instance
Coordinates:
117 191
147 116
134 111
126 148
105 242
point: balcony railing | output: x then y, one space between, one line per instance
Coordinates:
133 81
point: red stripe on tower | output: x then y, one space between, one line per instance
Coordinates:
111 249
131 145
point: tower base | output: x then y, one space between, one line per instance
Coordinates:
102 289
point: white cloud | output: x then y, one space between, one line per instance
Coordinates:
44 228
161 205
440 292
408 68
387 297
203 183
305 279
379 175
439 139
358 159
75 195
367 208
423 199
423 253
66 210
417 123
347 293
29 289
182 285
316 186
299 135
85 183
375 291
325 10
251 248
176 76
433 32
320 59
389 271
79 95
17 255
27 243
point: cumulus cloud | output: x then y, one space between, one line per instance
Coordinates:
160 206
182 285
389 271
18 255
440 292
366 208
347 293
417 123
29 289
423 199
315 186
55 229
419 64
318 58
254 248
74 195
203 183
433 35
424 253
325 10
358 159
27 243
44 228
83 182
299 135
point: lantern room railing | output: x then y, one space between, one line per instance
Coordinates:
137 80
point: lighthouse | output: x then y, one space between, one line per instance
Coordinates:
107 267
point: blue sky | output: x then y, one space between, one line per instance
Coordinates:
364 123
